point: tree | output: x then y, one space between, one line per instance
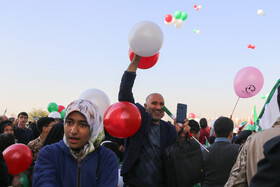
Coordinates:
38 113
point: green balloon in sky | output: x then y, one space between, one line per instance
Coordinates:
262 96
52 107
178 14
62 113
184 16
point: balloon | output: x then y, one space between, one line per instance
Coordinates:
145 38
62 113
167 23
174 20
249 46
263 97
54 114
24 180
199 7
253 47
191 116
168 18
248 82
194 31
145 62
194 6
52 107
18 158
260 12
60 108
178 14
184 16
179 24
197 31
98 97
122 119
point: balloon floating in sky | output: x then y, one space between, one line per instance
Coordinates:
177 19
260 12
196 31
251 46
248 82
197 7
145 38
145 62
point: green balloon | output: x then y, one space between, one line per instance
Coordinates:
62 113
194 30
24 180
52 107
184 16
262 96
178 14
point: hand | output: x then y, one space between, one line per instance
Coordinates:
186 128
16 182
134 63
21 125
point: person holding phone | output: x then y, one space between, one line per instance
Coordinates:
143 157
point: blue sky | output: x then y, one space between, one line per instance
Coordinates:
52 51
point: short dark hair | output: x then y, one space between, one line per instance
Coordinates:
203 123
194 126
23 113
223 126
44 122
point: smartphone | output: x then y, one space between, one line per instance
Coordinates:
181 113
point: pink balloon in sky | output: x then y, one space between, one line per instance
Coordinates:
248 82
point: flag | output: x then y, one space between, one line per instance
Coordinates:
4 113
207 144
270 112
254 116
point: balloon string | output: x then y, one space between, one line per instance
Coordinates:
234 107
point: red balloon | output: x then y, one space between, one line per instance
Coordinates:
18 158
191 115
249 46
60 108
194 6
168 18
253 47
122 119
145 62
197 8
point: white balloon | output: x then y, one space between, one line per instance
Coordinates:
167 23
179 24
260 12
199 7
145 38
174 20
54 114
197 31
98 97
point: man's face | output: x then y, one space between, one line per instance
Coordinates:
154 106
76 130
22 120
9 129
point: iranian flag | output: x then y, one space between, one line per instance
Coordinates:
270 112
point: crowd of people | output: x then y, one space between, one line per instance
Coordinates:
77 151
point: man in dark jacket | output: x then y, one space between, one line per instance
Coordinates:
221 156
143 156
23 134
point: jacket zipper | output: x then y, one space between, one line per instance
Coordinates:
79 174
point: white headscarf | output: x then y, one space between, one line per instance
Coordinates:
94 119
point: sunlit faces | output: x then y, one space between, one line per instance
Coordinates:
9 129
77 130
154 105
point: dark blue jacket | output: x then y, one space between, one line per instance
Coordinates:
134 143
23 135
56 166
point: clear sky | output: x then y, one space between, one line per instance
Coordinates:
52 51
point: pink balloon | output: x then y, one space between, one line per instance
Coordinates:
248 82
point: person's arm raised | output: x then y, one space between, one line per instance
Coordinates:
134 63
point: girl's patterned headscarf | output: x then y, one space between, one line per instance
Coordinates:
94 119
